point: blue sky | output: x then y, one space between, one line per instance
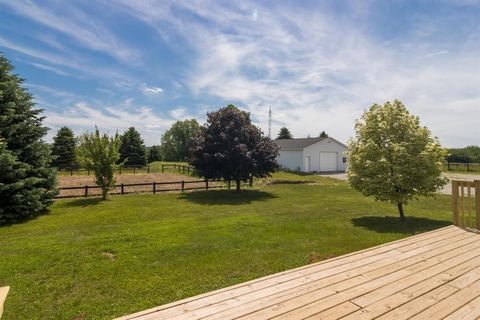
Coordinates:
319 64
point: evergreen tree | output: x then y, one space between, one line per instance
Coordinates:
132 148
27 183
63 149
154 154
323 134
284 133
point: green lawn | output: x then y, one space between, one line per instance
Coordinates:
88 259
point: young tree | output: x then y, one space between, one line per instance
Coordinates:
132 148
323 134
100 154
63 149
154 154
177 140
229 146
393 158
27 183
284 133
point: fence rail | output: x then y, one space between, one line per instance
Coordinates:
460 166
466 203
153 187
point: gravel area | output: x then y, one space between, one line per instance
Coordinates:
445 190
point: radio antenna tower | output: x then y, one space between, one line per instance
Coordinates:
270 121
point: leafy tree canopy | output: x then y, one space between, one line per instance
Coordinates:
284 133
393 158
132 148
154 154
27 183
63 149
470 154
229 146
100 154
177 140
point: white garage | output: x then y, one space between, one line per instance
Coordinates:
312 154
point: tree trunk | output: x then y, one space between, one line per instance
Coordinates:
400 211
104 193
238 185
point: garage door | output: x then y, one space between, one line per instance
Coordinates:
328 161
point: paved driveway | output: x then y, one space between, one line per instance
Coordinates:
446 189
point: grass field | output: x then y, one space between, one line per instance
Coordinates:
88 259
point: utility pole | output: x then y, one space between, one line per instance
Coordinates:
270 121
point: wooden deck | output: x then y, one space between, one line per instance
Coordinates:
434 275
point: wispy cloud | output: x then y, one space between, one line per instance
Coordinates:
77 25
150 90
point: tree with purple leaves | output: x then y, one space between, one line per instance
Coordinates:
230 147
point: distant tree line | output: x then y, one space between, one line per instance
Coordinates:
470 154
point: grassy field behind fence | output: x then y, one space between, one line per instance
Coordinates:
92 259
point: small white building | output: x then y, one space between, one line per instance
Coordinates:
312 154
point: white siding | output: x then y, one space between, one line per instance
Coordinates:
291 160
326 145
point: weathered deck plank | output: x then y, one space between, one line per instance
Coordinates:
428 276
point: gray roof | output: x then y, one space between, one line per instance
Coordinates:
297 144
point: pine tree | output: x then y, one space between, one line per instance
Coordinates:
284 133
323 134
132 149
27 183
63 149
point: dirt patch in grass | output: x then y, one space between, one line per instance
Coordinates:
82 181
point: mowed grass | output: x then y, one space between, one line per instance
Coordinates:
88 259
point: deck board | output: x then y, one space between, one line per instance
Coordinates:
428 276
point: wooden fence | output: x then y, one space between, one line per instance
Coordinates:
120 170
150 187
466 203
458 166
180 168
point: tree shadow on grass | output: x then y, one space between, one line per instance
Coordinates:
83 202
226 197
25 219
411 225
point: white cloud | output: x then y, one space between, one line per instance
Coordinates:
327 70
150 90
76 24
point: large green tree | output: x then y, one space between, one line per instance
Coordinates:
284 133
100 153
27 183
229 146
154 153
63 149
132 148
393 158
177 140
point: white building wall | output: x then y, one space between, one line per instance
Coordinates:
327 145
291 160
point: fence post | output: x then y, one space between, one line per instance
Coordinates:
477 203
251 181
71 171
468 166
183 186
455 202
206 184
133 170
448 166
86 190
162 168
148 168
120 169
228 184
121 188
154 187
188 170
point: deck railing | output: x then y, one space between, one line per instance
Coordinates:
466 203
